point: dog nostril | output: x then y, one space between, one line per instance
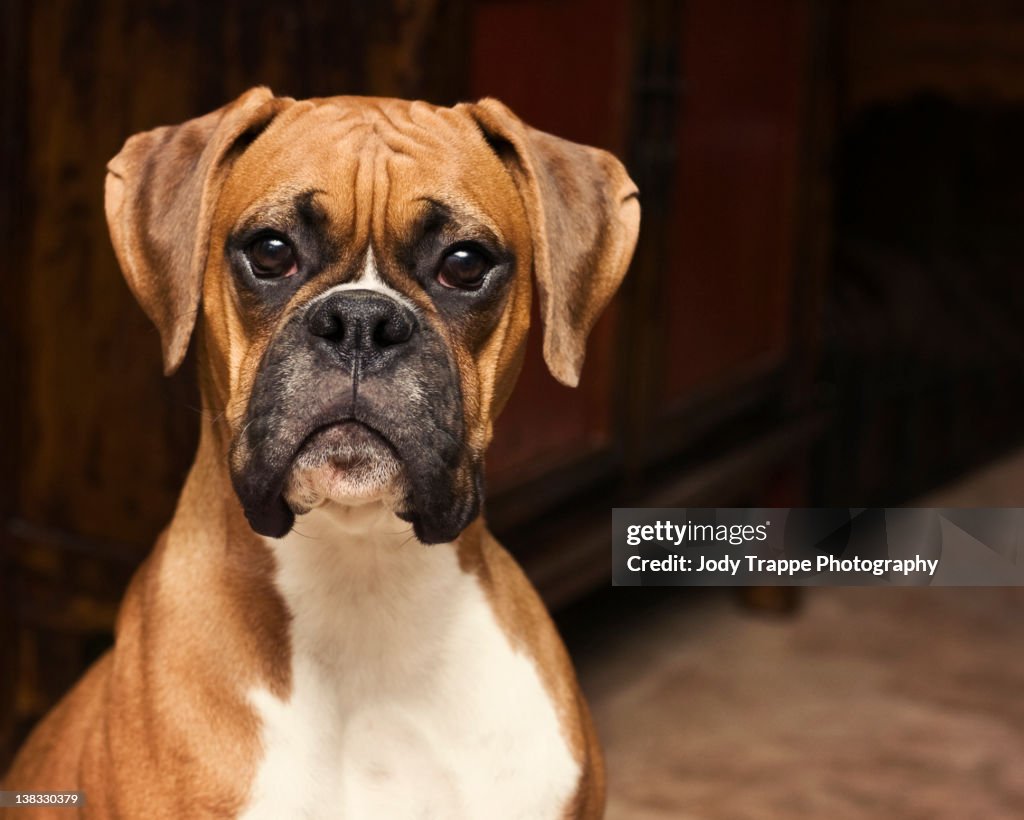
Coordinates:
327 325
392 330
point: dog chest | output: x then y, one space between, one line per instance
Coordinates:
407 698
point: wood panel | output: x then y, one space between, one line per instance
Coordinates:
728 274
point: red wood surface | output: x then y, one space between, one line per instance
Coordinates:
561 65
730 270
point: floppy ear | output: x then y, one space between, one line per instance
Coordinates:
584 215
160 194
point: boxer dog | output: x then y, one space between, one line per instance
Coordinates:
327 628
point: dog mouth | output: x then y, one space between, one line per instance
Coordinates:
346 461
313 433
346 443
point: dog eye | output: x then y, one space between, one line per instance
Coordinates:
463 268
271 257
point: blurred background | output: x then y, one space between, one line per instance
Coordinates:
825 308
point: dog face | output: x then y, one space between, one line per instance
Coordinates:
361 273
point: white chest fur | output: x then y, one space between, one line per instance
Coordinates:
407 699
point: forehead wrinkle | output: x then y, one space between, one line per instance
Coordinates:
397 124
360 189
400 141
381 178
400 145
382 111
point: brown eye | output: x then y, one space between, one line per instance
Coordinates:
463 268
271 257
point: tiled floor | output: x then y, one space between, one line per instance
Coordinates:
868 703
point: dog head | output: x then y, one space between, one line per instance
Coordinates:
360 271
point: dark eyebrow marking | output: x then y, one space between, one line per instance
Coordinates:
434 218
310 212
439 219
300 211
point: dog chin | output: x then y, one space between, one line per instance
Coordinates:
346 463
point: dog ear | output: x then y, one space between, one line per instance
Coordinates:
161 190
584 215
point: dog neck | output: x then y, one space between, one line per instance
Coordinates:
363 591
354 581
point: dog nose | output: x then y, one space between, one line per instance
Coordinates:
361 323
